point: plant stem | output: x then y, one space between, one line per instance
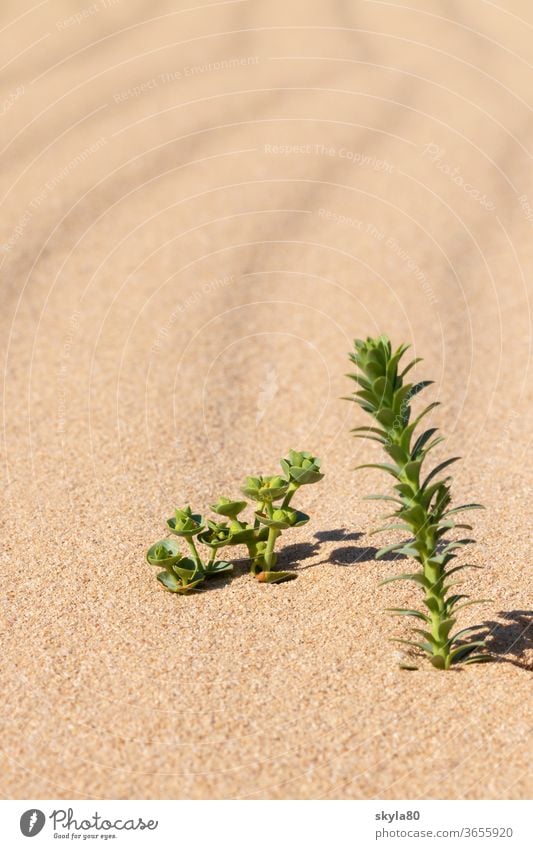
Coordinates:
252 551
293 486
273 534
196 556
433 573
261 510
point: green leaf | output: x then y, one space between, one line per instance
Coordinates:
398 454
417 577
164 553
379 386
438 469
217 568
429 637
415 514
427 494
444 628
452 600
383 551
361 380
381 498
366 395
424 413
298 518
464 507
426 647
225 507
412 470
400 527
463 566
463 632
470 603
372 438
392 365
408 551
185 568
464 651
384 467
376 430
422 439
274 577
432 445
169 581
418 387
410 366
279 520
174 586
478 658
403 611
385 417
432 604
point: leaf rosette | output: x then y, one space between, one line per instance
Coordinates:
265 489
226 507
301 467
217 535
164 553
185 523
282 519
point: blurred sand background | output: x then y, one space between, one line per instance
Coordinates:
202 204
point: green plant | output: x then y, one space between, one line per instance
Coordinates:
270 521
422 503
180 574
184 574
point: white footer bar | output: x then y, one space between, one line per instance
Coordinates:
267 824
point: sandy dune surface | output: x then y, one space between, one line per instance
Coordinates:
202 205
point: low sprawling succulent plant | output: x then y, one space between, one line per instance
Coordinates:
184 574
179 574
422 502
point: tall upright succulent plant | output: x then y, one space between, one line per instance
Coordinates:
422 502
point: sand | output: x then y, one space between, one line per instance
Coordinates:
202 205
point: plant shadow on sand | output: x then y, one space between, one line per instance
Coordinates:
510 641
291 557
350 555
347 555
